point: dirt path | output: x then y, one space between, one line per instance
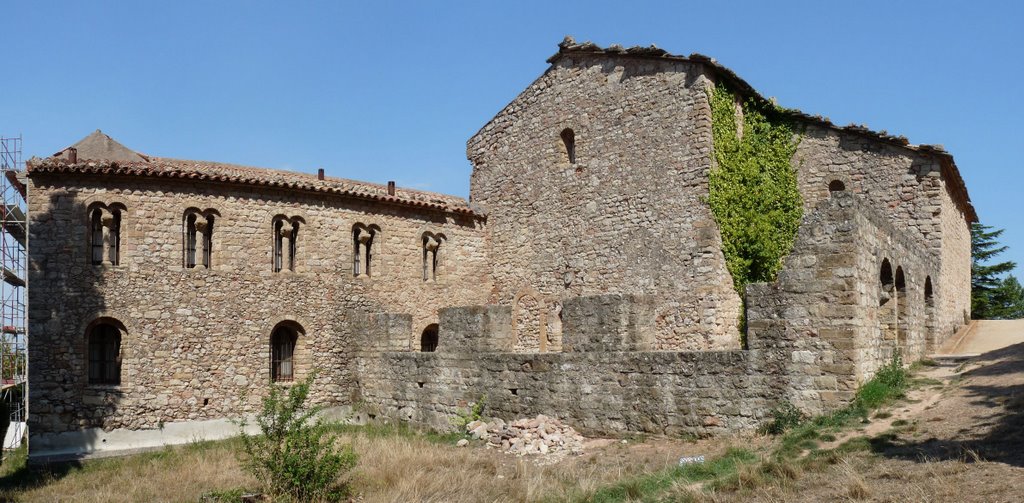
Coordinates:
961 440
918 400
990 335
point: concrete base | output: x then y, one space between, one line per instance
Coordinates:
94 442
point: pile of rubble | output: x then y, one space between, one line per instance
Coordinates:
540 435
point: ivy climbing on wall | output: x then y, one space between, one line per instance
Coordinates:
753 187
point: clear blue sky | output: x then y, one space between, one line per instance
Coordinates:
391 91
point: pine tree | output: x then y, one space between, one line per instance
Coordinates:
1007 300
991 295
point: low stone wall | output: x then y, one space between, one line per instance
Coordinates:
603 385
602 392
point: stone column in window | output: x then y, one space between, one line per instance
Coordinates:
285 233
365 239
430 245
200 242
109 239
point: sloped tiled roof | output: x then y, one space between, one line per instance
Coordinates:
100 147
950 172
98 154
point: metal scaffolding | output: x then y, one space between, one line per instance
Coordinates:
13 295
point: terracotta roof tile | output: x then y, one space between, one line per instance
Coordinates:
230 173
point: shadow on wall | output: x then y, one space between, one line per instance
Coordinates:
991 427
75 346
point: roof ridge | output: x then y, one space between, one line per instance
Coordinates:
569 46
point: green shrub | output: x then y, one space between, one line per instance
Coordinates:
296 457
889 383
473 413
784 417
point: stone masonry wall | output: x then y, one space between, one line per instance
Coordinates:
196 342
602 384
814 336
906 187
627 215
600 391
830 290
953 290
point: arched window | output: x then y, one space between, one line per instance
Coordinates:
885 281
929 295
428 340
569 144
363 237
96 233
282 354
198 238
836 186
105 234
104 354
286 246
431 252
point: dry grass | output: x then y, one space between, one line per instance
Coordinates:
173 474
393 466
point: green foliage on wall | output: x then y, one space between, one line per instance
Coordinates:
753 188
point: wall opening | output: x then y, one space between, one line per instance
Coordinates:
96 226
115 236
286 242
104 342
929 312
836 186
429 338
902 325
363 238
569 144
207 232
190 240
282 353
886 305
431 254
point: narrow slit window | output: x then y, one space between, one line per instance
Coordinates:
115 238
96 231
293 246
355 252
569 144
368 254
208 243
278 245
190 241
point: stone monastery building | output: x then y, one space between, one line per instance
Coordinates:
583 279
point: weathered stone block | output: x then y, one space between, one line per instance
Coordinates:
471 329
613 322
